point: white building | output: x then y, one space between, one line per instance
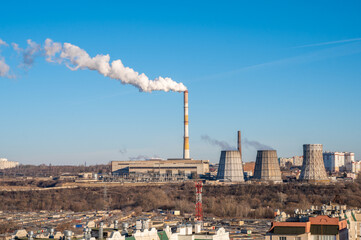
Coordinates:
334 161
184 232
339 161
4 163
349 158
356 166
283 161
295 161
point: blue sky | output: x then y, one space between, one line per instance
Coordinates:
284 72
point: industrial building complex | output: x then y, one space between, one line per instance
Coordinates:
168 167
314 166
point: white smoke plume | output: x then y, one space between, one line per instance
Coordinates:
3 42
33 50
226 146
144 157
76 58
51 49
4 68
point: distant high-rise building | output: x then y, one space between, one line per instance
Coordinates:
297 160
355 167
349 159
338 161
284 161
313 168
334 161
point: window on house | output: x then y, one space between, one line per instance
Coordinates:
282 238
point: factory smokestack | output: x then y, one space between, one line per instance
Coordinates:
239 144
186 136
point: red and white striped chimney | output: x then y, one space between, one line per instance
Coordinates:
186 136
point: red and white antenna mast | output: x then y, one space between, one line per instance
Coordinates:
199 209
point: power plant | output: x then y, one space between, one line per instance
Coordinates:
313 168
172 168
267 167
230 167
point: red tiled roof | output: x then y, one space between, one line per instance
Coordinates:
319 220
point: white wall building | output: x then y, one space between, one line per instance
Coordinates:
283 161
295 161
184 232
339 161
4 163
349 158
334 161
356 166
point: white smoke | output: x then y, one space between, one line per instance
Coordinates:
3 43
76 58
51 49
33 49
4 68
144 157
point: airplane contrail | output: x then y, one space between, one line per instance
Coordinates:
329 43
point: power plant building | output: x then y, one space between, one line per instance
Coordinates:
267 167
230 167
313 168
168 167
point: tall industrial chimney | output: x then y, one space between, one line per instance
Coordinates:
239 144
186 136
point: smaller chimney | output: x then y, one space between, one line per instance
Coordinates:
239 144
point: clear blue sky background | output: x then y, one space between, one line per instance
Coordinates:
245 64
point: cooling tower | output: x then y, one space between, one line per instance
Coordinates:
267 167
230 167
313 168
